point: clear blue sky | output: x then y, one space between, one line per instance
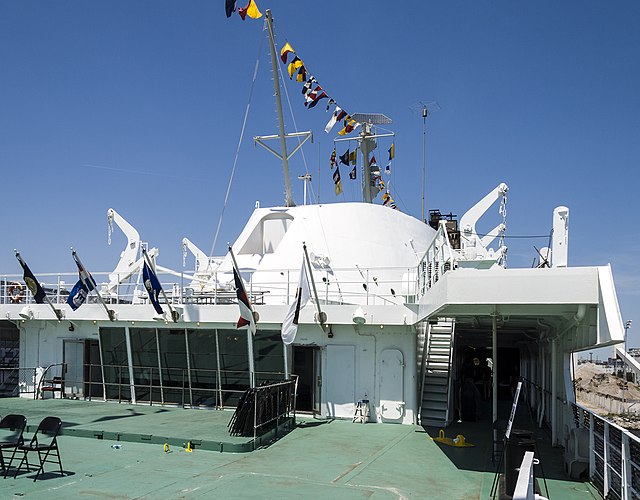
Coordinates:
139 105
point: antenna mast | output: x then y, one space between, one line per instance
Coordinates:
425 112
284 156
288 198
367 144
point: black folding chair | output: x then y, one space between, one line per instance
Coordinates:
49 427
11 429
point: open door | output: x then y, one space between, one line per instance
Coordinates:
306 365
73 356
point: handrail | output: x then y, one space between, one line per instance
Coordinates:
439 258
43 378
147 381
614 458
263 407
375 285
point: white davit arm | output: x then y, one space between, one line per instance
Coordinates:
202 261
129 262
473 215
473 246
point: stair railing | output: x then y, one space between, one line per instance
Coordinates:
439 258
423 364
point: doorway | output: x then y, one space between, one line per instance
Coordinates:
306 365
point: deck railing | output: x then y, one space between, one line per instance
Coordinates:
15 381
265 407
186 387
439 258
613 455
371 286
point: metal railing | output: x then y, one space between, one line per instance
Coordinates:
524 489
263 408
371 286
439 258
15 381
613 456
186 387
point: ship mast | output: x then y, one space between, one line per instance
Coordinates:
367 140
301 136
288 199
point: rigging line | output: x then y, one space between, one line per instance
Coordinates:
235 160
295 127
533 236
322 229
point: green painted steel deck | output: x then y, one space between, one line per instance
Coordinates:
317 459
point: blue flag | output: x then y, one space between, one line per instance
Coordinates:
81 289
153 287
78 295
32 283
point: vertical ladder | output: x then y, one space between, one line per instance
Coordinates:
436 384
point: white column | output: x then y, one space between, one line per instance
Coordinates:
494 354
554 392
250 352
132 386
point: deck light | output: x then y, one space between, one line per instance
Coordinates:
359 316
26 313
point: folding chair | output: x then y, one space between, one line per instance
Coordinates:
11 429
50 426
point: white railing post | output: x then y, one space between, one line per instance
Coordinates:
625 454
605 473
592 453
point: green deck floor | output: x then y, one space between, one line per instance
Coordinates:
318 459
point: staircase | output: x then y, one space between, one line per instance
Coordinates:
436 393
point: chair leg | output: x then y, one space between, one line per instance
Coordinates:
23 460
43 460
4 469
59 461
8 466
41 468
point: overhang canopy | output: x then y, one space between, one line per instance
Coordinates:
579 300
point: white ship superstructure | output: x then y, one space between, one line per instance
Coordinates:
404 313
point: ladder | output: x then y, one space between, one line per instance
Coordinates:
436 382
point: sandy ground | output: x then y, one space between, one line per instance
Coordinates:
590 377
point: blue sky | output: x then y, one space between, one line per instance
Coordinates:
139 105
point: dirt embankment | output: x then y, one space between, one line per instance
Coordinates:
594 383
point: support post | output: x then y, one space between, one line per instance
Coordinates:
554 392
365 144
252 382
132 386
494 354
285 352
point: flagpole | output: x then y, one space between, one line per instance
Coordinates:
174 314
110 313
322 317
57 312
249 332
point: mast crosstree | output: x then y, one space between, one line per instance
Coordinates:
282 136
